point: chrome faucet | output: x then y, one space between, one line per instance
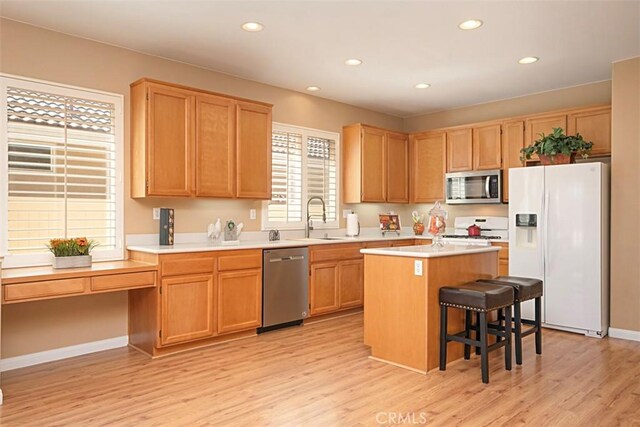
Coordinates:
309 224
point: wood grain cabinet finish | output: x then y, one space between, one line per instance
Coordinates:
45 289
323 288
536 126
487 147
350 284
460 150
187 311
428 166
397 167
187 142
512 143
595 126
170 142
375 165
239 300
215 146
254 151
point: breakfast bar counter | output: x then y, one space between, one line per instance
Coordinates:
401 307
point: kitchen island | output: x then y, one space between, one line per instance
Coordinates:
401 308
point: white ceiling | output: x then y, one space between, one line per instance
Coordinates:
401 43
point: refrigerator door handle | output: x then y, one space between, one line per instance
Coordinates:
546 226
541 225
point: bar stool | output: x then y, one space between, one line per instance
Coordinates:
524 289
480 298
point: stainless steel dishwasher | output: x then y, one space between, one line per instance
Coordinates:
284 287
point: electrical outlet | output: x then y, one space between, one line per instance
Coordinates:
252 214
417 267
345 212
156 213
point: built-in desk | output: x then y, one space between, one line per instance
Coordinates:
38 283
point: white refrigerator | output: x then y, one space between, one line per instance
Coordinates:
559 232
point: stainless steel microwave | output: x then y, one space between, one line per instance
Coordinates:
474 187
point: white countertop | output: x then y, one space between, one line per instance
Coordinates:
253 244
429 251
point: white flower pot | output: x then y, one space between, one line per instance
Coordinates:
71 261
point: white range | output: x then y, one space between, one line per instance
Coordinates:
492 229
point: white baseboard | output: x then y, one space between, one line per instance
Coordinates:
624 334
62 353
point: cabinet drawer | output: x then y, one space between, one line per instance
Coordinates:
44 289
240 260
123 281
378 244
335 252
176 266
504 250
397 243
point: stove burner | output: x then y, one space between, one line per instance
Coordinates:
460 236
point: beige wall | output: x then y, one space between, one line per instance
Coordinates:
625 196
578 96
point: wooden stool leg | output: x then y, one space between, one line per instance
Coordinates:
500 318
484 348
538 321
467 330
507 346
477 331
443 337
518 327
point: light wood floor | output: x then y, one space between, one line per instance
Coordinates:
319 375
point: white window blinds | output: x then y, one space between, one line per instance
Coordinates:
304 165
62 152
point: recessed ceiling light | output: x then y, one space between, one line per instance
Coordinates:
470 24
252 26
422 85
353 61
528 60
313 88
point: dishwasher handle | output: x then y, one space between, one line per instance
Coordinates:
287 258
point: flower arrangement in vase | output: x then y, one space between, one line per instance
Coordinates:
418 223
71 253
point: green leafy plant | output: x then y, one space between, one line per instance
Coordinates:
77 246
557 143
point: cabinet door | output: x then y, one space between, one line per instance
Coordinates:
351 283
487 149
428 166
374 166
512 143
187 309
397 168
170 142
323 289
595 126
537 125
253 162
460 150
215 146
239 300
503 267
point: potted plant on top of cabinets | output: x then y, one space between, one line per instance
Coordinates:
71 253
557 148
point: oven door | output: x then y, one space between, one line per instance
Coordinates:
474 187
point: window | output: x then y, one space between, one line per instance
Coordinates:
61 167
304 165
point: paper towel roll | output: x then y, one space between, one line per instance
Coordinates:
353 226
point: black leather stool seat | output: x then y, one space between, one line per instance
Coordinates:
525 288
475 296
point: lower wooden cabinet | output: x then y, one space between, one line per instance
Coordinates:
335 286
350 284
187 309
239 300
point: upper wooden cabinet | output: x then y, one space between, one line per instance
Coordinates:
535 126
487 150
459 150
375 165
188 142
397 168
428 166
512 143
477 148
595 126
